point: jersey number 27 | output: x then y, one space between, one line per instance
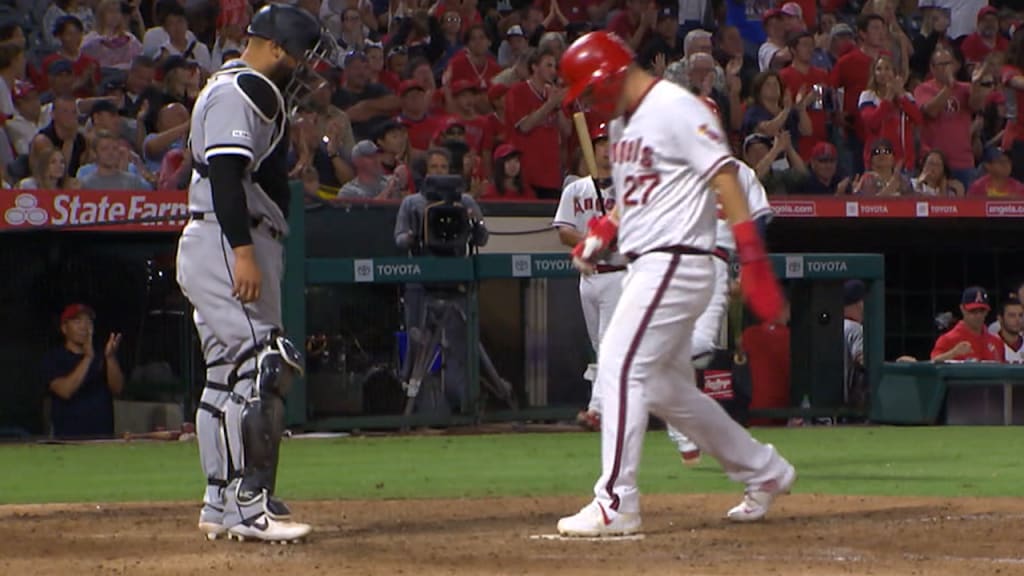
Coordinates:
639 188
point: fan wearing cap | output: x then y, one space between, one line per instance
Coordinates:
514 44
985 39
997 181
773 54
507 183
840 41
81 383
884 177
969 340
366 103
534 117
370 182
30 116
420 124
824 178
775 161
474 63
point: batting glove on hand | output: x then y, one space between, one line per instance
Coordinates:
757 280
601 234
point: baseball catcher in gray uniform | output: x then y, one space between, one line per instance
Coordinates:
230 261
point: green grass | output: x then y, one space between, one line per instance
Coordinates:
947 461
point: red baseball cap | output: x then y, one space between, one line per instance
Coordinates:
22 88
771 13
824 151
460 86
504 151
409 85
987 10
73 311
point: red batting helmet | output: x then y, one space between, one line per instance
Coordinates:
598 61
599 132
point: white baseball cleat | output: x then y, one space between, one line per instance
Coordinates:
594 521
266 529
758 499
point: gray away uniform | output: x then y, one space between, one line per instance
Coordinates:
239 113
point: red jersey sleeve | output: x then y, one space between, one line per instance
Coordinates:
944 344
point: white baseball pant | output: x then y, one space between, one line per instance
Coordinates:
646 368
706 335
599 294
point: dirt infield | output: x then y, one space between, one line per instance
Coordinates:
806 535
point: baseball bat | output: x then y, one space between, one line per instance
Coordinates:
587 146
583 134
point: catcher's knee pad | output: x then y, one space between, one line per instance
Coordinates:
277 363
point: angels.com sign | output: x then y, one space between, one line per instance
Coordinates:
94 210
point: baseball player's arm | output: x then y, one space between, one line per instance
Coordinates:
568 234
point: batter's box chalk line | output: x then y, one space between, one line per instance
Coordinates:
560 538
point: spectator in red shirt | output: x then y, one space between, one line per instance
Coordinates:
466 10
997 182
634 23
508 179
1012 76
888 111
464 103
948 106
86 70
418 121
969 339
802 78
533 115
851 74
474 63
985 39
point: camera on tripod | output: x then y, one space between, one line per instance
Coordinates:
448 227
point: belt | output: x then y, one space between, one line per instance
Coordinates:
721 253
605 269
254 222
680 250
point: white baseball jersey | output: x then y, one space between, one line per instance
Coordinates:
662 155
1014 356
579 204
757 201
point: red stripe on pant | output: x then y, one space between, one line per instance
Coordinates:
627 363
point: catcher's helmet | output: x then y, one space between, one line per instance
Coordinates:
302 37
597 61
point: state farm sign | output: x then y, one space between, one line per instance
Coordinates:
93 209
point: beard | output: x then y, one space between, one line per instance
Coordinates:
281 74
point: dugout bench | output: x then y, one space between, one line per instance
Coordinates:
814 280
968 393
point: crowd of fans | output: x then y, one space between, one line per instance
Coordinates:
825 97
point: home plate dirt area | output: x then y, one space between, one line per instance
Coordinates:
684 534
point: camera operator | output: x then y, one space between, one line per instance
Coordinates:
439 220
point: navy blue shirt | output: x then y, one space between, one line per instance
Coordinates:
90 410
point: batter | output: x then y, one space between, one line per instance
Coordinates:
229 266
664 222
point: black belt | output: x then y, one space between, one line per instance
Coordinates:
680 250
605 269
254 222
721 253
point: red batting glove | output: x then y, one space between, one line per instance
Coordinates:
601 234
757 280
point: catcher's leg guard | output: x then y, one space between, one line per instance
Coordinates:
260 415
214 456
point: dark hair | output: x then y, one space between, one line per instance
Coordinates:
438 152
64 21
1011 300
144 61
719 34
865 20
473 28
499 174
536 56
794 37
165 10
8 53
7 30
945 165
758 84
